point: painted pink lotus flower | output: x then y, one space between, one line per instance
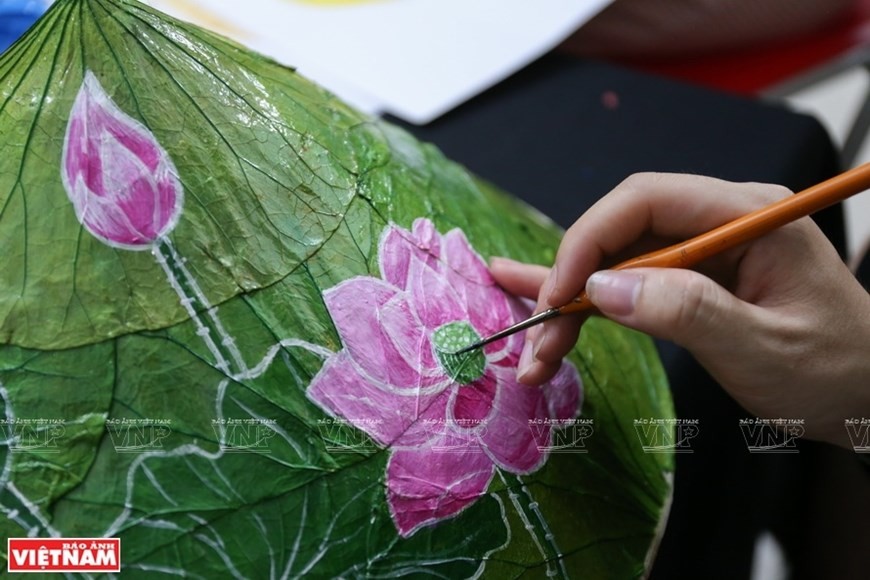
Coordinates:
121 182
449 421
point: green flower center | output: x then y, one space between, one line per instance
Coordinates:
463 368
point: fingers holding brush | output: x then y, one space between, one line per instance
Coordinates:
518 278
777 319
644 212
557 336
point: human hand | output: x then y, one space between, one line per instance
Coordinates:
779 322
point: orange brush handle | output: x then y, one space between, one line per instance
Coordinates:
752 225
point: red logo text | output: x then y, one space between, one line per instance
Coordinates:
64 554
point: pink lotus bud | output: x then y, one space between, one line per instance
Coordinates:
122 184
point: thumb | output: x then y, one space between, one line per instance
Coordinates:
679 305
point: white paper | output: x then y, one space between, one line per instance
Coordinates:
416 59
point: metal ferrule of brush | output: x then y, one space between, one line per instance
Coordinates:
520 326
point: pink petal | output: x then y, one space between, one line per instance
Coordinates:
473 403
407 334
427 238
132 189
388 417
108 221
81 149
76 147
469 276
509 436
394 255
487 306
133 138
148 202
167 204
397 245
463 260
564 393
425 486
358 307
435 302
507 352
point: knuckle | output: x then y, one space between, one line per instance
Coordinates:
765 193
554 345
696 311
640 181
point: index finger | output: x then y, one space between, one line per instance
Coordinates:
661 204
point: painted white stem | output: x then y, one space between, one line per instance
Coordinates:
169 264
549 537
550 540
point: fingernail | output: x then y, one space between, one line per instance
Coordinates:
502 260
526 361
614 292
540 338
549 286
532 334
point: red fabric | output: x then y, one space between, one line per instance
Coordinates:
751 70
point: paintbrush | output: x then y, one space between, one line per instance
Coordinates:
688 253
